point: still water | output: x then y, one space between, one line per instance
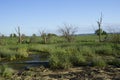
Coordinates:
34 60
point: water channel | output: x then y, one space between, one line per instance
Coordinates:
33 60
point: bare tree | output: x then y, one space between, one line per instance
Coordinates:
19 35
44 36
68 31
99 22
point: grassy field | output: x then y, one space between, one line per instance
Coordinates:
83 51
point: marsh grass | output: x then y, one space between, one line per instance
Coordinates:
13 52
78 59
59 59
115 62
87 51
5 71
104 50
6 53
62 54
98 61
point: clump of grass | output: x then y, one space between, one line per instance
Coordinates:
104 50
41 48
98 61
115 62
21 53
87 51
77 59
64 58
59 59
8 54
5 71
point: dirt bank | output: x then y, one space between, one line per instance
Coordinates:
76 73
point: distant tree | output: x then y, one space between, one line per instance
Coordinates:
44 36
99 22
51 34
13 35
2 35
68 31
33 35
97 32
33 39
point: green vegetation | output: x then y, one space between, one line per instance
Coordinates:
84 51
5 71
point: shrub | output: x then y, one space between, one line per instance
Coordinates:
59 59
115 62
21 53
8 54
11 54
77 59
98 61
87 51
5 71
104 50
41 48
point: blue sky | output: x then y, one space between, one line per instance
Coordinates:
35 15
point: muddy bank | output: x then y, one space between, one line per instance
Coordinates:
76 73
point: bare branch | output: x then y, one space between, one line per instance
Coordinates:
68 31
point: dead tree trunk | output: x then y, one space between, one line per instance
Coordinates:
99 22
19 35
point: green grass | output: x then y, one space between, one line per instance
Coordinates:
98 61
5 71
59 59
62 54
13 52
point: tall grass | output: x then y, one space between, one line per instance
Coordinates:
59 59
5 71
14 53
62 54
98 61
104 50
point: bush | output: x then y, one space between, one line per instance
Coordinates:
115 62
77 59
59 59
21 53
12 54
8 54
87 51
5 71
104 50
98 61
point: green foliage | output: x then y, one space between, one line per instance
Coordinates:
104 50
87 51
13 35
98 61
59 59
41 48
62 54
115 62
115 38
6 53
77 59
5 71
13 52
34 39
21 53
97 32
